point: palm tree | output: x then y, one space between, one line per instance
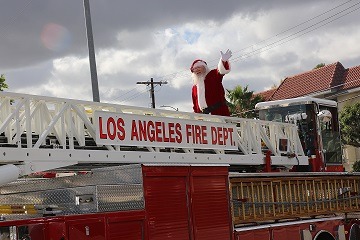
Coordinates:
242 102
2 82
320 65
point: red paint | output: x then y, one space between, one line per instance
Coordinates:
290 231
49 175
335 168
187 203
113 129
133 230
221 135
89 229
102 134
171 132
158 131
35 231
56 230
196 134
286 233
166 191
151 131
268 161
155 131
110 226
211 216
120 126
259 234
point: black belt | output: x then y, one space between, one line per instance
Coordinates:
211 108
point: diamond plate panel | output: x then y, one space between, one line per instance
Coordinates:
122 174
120 197
63 199
103 176
110 189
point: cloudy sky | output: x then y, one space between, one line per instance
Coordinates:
43 44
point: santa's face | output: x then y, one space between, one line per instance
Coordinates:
199 70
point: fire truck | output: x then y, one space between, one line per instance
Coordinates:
124 172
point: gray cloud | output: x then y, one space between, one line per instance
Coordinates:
22 22
137 40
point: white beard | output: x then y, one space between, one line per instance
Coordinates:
196 78
200 86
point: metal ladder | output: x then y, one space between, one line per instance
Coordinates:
263 197
40 133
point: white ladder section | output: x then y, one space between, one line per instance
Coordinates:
40 133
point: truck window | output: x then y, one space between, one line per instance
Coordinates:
331 138
302 115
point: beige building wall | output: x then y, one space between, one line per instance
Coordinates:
351 154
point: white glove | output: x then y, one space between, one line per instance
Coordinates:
225 56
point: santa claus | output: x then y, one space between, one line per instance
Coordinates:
208 93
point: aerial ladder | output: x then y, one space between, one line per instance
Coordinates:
45 133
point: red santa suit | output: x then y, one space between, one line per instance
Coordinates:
208 93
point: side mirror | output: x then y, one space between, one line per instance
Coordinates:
325 116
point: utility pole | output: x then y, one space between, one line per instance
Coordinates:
152 93
90 40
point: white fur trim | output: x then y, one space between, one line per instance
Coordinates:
201 92
222 69
198 64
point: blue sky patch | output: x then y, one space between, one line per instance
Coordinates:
191 37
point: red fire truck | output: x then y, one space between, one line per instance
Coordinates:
136 173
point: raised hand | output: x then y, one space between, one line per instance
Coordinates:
225 56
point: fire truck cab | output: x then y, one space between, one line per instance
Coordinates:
318 128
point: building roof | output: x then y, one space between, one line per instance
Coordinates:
266 94
325 80
351 78
294 101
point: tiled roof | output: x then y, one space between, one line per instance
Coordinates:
306 83
266 94
351 78
330 78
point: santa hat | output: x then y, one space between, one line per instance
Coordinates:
197 63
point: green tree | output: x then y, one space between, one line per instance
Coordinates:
3 85
349 124
356 166
319 65
242 102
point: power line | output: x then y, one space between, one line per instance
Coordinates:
134 95
137 94
281 41
296 26
122 94
152 92
291 28
273 44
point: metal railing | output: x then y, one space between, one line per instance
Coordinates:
41 133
